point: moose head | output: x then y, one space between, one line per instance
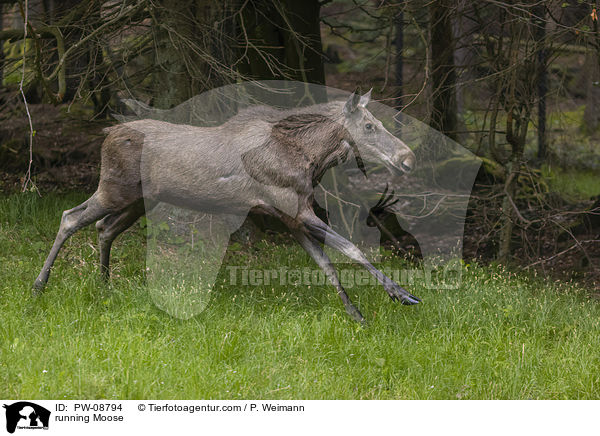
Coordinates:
374 142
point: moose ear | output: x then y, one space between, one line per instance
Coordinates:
365 99
352 103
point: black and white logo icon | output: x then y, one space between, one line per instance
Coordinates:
26 415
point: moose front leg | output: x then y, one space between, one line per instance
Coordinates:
322 232
313 248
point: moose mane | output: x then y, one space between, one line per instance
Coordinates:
305 130
299 123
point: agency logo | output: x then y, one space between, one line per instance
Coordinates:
26 415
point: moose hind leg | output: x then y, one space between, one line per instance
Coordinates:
71 221
112 226
315 251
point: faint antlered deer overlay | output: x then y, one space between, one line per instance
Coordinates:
186 247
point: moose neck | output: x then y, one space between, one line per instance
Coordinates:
319 138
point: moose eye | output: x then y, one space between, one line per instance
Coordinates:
368 126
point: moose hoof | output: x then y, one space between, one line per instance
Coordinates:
409 300
398 293
355 314
38 286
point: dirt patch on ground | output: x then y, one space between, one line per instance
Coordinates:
66 146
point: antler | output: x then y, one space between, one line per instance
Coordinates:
386 200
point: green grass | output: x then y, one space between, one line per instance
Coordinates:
502 335
575 185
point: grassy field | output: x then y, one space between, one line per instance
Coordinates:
502 335
578 185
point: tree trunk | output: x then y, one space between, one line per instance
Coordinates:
399 44
464 56
542 91
507 220
292 40
172 83
591 115
443 74
77 64
192 48
1 48
539 22
303 18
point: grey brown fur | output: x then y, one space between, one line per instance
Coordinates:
262 159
